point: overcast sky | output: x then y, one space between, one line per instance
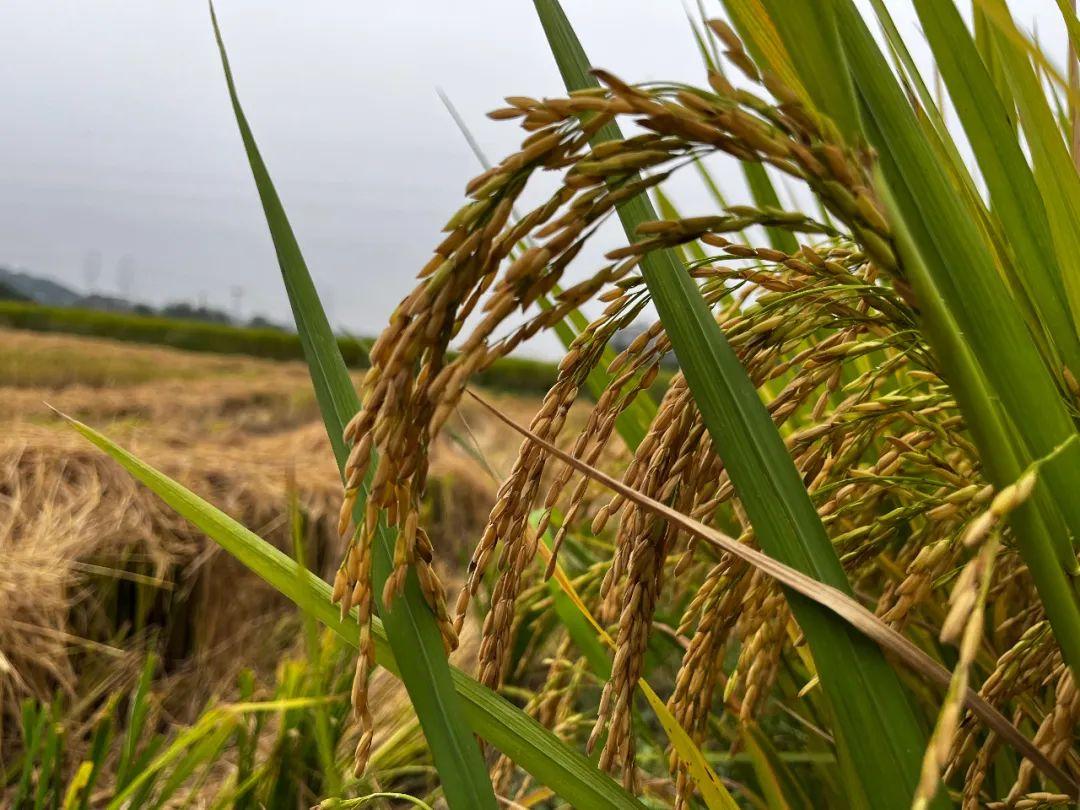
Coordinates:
121 168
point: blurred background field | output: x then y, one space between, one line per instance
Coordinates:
103 585
272 342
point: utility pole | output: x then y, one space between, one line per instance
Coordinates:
125 276
91 270
237 294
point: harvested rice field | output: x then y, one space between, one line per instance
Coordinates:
99 576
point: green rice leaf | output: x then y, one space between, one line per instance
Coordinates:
1055 172
1013 190
1072 25
571 617
212 725
34 718
409 623
863 691
932 122
137 714
984 43
79 786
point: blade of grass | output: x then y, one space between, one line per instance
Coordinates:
99 749
863 691
909 69
1013 191
1072 25
984 43
79 786
570 613
410 625
999 19
212 724
933 123
202 755
34 718
535 749
1055 172
1072 117
140 708
48 776
324 743
349 804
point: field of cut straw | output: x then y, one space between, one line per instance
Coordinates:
99 578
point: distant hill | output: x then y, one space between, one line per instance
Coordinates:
18 285
8 293
36 288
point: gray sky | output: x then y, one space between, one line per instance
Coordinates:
118 139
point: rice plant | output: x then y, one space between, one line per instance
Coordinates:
833 563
